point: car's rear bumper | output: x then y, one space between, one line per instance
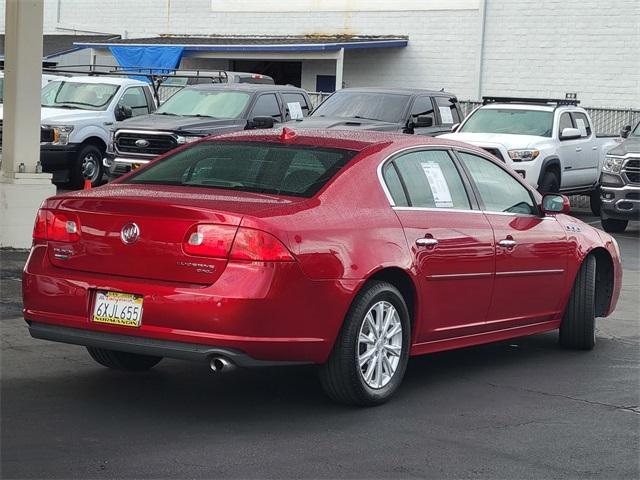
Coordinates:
269 312
622 203
146 346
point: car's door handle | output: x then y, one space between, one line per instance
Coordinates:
426 242
578 149
507 243
594 148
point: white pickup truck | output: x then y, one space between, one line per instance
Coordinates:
76 119
551 143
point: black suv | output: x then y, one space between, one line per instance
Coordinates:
423 112
198 111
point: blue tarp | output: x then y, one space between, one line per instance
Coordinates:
150 57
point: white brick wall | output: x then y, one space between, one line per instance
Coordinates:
547 48
532 47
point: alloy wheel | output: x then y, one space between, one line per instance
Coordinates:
379 344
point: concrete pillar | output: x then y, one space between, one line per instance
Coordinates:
21 193
339 68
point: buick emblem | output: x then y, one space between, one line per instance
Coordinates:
130 233
142 143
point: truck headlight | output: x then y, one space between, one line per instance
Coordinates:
612 164
187 139
523 155
60 133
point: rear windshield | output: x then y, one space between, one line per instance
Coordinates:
271 168
509 121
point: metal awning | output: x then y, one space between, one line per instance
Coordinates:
262 44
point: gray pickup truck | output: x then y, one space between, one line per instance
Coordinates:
402 110
620 183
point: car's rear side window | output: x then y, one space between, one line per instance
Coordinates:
432 180
248 166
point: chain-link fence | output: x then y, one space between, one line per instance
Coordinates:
165 92
317 98
607 121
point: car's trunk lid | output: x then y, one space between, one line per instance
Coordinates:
162 215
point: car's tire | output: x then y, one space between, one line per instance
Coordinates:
342 377
613 225
595 202
130 362
578 327
550 183
88 165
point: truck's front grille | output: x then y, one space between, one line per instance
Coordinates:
631 170
495 152
144 143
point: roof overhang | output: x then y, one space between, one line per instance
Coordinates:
258 44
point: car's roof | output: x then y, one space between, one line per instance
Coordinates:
398 90
103 80
342 139
244 87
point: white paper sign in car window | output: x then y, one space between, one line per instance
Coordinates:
438 184
445 115
295 110
581 126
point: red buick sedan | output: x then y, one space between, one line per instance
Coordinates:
353 251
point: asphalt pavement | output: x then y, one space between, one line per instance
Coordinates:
518 409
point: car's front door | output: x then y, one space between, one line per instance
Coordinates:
267 105
586 172
423 108
570 152
451 243
531 249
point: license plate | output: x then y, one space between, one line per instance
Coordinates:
118 309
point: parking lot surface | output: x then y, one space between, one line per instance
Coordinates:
518 409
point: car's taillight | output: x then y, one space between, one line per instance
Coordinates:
40 227
258 246
209 240
56 226
224 241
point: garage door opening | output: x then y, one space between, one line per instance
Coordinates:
284 73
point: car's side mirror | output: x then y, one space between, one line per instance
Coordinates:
569 133
122 112
454 127
260 122
555 203
625 131
421 121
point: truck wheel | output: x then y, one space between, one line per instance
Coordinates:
550 183
578 327
371 353
613 225
88 165
595 202
130 362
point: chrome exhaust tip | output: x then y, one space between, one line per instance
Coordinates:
220 364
